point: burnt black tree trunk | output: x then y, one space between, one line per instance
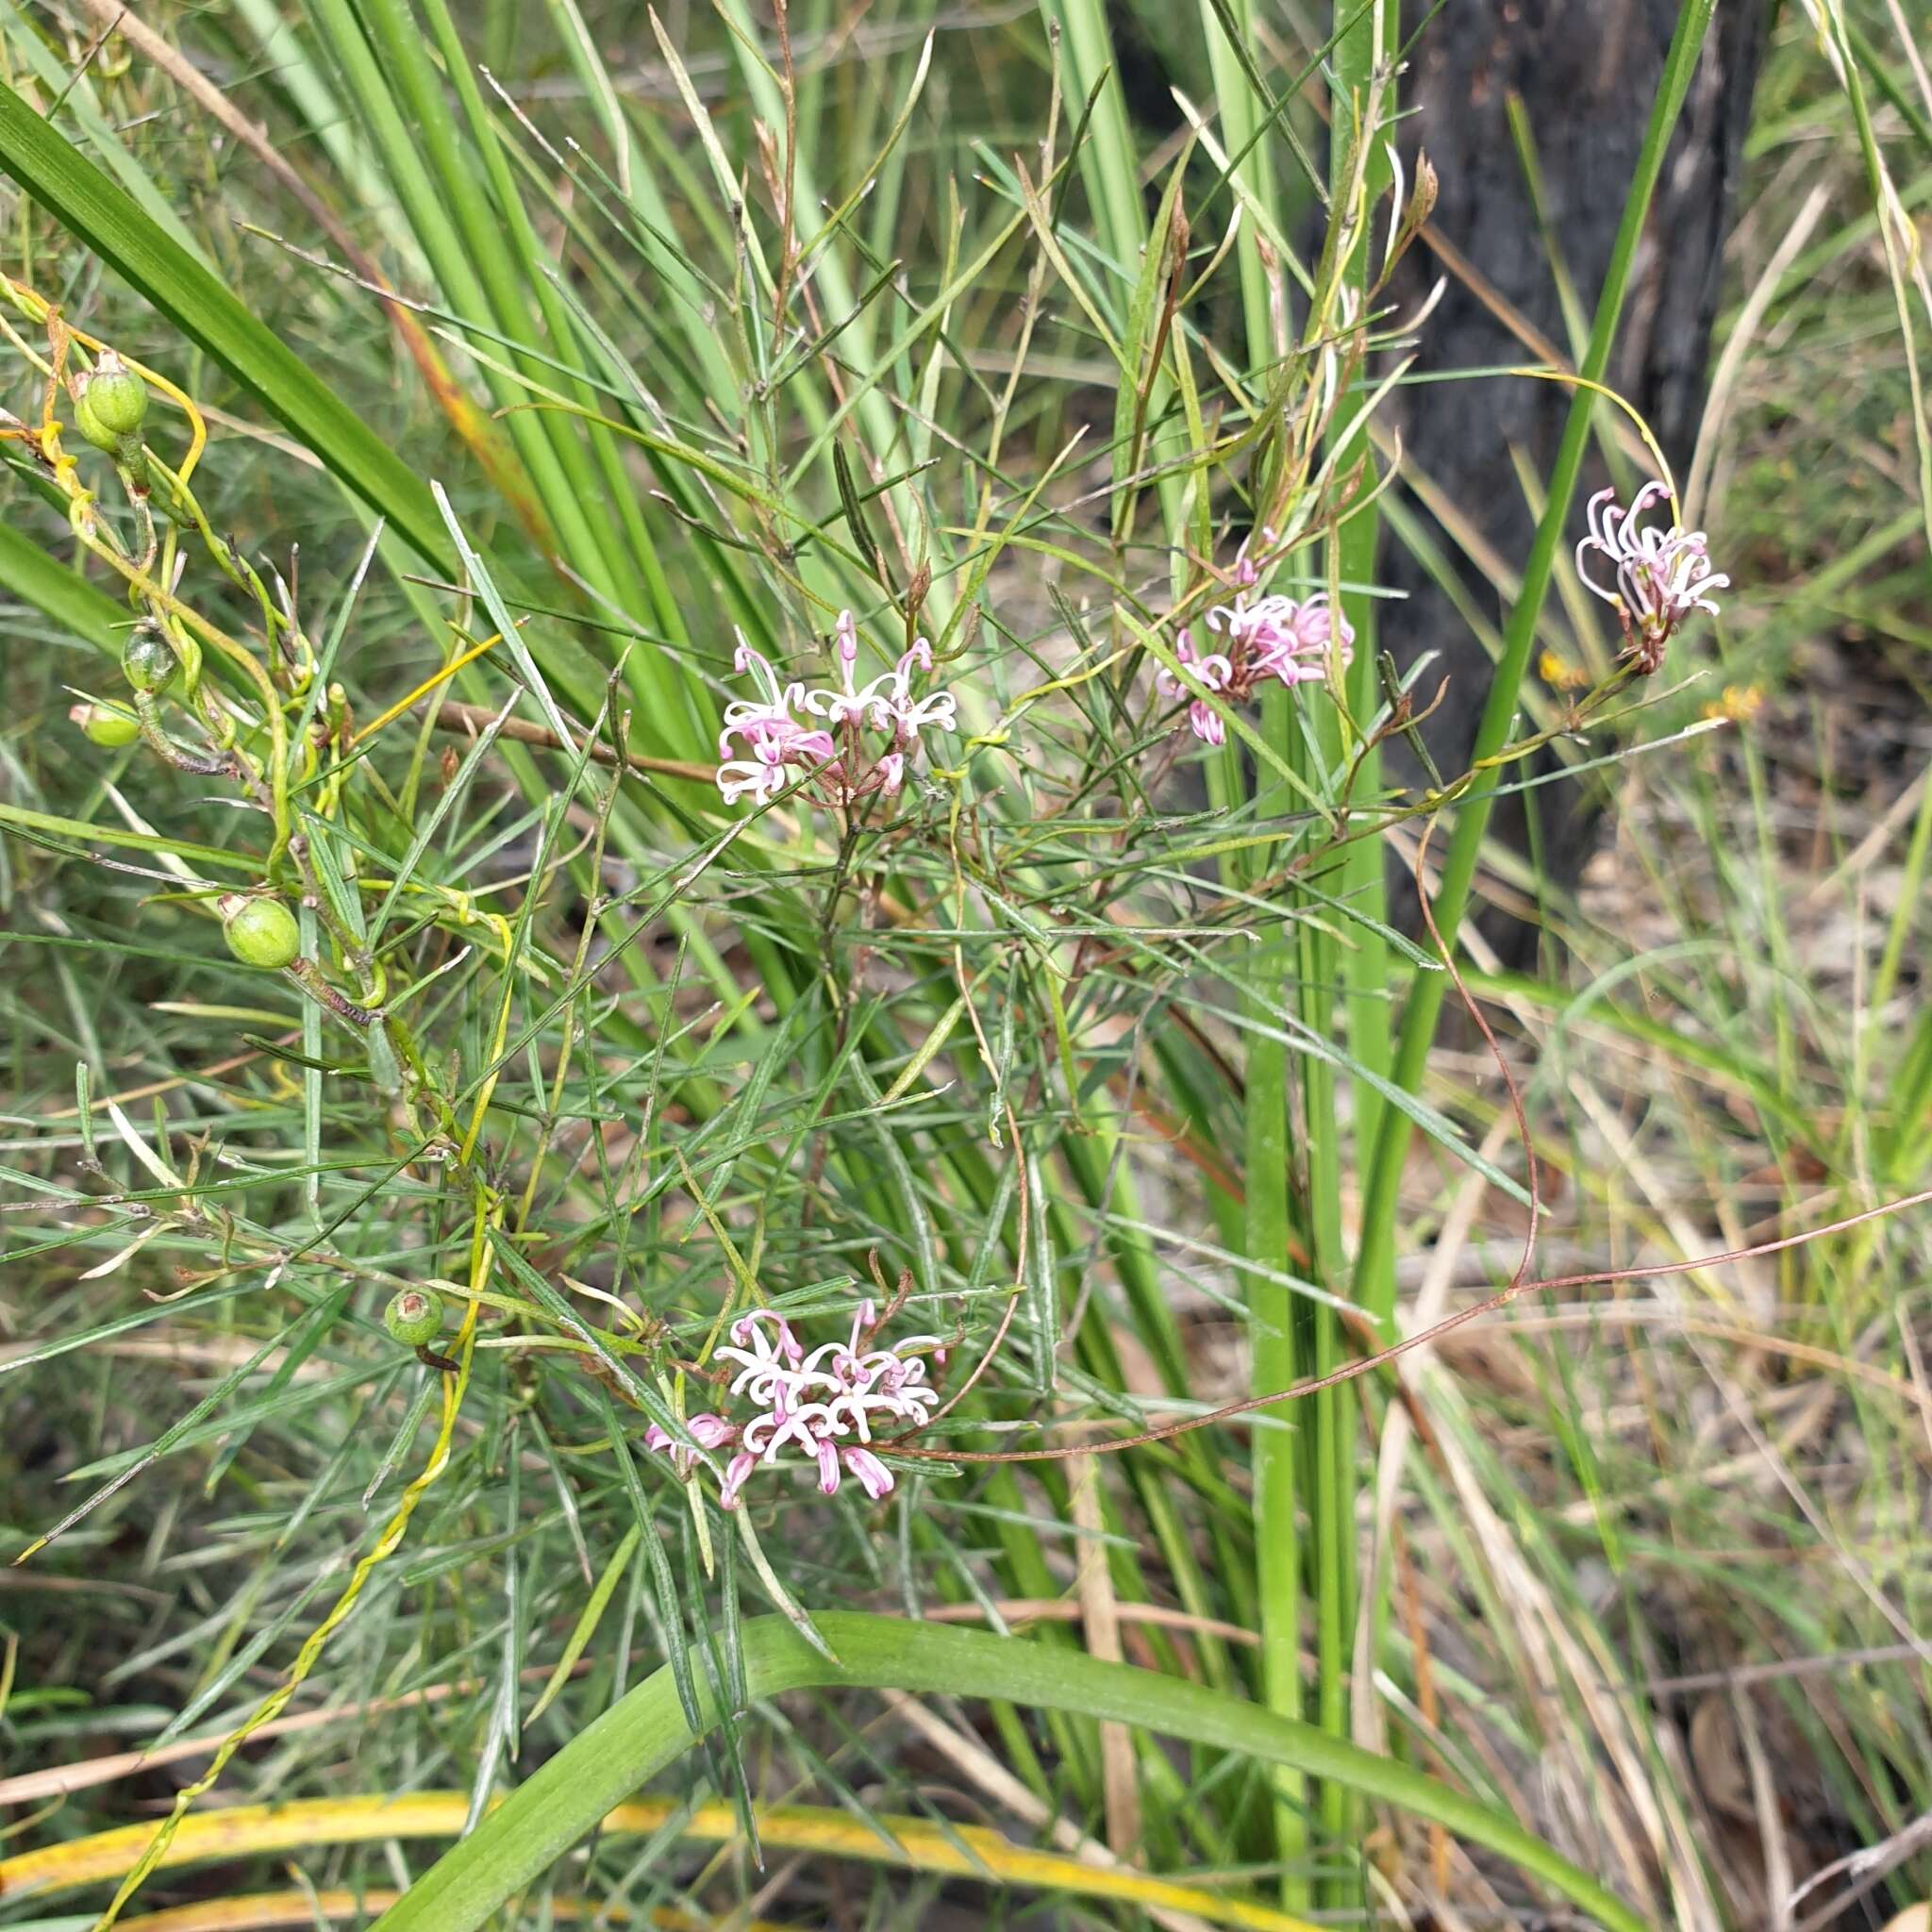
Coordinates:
1586 72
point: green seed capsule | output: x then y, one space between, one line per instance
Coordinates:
413 1318
116 396
147 663
261 932
108 725
91 425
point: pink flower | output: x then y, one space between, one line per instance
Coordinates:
736 1471
1283 638
849 704
768 1362
836 1352
758 720
765 1434
910 715
773 737
745 1331
813 1404
1662 574
707 1431
1292 640
782 1344
885 777
1270 636
1214 670
887 702
871 1474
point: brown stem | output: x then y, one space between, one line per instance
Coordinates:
307 975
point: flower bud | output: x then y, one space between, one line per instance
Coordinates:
147 663
261 932
116 397
108 725
413 1317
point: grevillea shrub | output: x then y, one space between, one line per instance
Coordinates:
729 999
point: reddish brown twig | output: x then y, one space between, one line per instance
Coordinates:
1519 1284
1384 1357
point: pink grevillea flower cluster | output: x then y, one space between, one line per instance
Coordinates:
1271 636
1662 574
773 734
822 1405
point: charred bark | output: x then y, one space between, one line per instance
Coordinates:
1586 72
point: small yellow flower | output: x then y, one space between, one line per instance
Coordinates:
1739 704
1560 674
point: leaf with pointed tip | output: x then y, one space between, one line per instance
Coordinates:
647 1731
103 216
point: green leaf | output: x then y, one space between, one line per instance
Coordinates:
85 202
59 592
646 1731
588 1619
46 825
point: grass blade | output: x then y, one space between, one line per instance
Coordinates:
108 221
647 1731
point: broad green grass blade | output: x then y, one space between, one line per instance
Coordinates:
78 97
103 216
62 593
646 1731
1109 162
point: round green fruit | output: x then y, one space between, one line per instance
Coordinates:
91 425
147 663
261 932
413 1318
116 396
108 725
